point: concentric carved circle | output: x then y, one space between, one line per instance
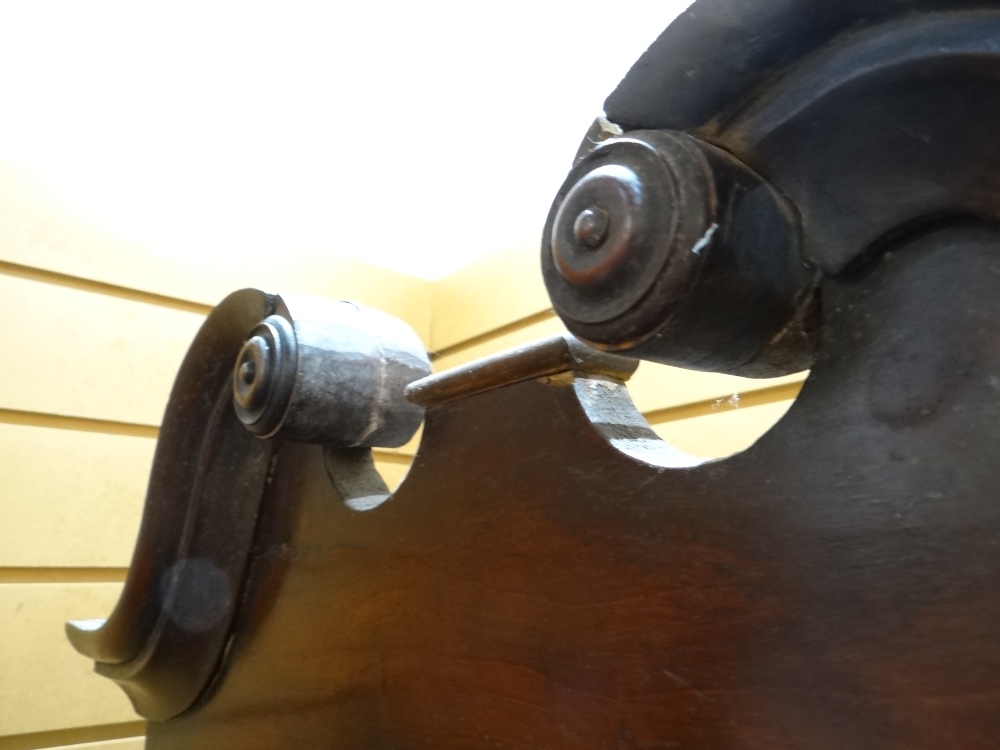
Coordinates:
597 223
264 375
612 229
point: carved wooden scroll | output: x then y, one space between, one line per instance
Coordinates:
776 185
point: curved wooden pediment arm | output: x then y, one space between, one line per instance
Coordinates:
206 482
339 381
776 185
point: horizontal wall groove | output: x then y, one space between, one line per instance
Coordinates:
683 411
391 457
74 736
81 424
100 287
493 333
62 575
744 400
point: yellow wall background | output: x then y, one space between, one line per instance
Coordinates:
95 330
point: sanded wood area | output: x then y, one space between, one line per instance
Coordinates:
70 498
46 685
80 354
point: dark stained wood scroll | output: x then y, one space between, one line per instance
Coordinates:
552 575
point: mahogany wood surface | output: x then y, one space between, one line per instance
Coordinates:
528 586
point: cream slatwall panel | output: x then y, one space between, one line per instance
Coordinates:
128 735
38 232
487 296
80 354
46 685
722 434
133 743
657 387
70 498
393 470
477 348
73 499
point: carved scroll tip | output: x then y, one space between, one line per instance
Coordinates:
82 633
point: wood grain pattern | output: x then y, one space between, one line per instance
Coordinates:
46 685
531 586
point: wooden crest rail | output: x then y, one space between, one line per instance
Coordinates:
775 186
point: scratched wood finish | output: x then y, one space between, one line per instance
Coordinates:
530 587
